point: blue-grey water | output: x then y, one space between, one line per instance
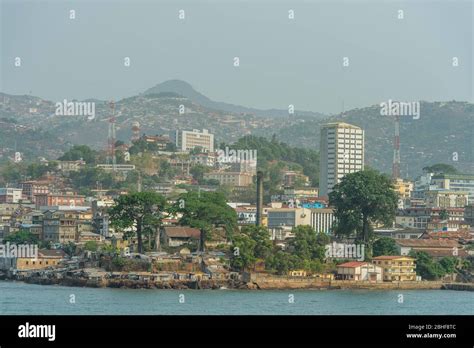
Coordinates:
22 298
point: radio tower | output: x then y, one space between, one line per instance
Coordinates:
111 138
135 131
396 150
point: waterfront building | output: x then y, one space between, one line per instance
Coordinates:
359 271
396 268
175 236
44 259
341 153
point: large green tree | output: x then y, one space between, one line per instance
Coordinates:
251 244
142 210
198 172
91 176
80 151
21 237
385 246
362 199
206 210
261 236
441 168
308 244
243 252
426 266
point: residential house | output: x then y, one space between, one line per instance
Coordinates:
175 236
359 271
396 268
45 258
59 226
437 248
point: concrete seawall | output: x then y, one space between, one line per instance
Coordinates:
265 282
459 286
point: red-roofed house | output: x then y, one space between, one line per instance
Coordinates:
359 270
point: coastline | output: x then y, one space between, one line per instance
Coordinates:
269 283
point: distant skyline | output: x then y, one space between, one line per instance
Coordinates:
282 61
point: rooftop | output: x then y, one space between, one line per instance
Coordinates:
391 257
427 243
182 232
352 264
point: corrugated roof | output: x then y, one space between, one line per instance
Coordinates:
427 243
352 264
182 232
390 257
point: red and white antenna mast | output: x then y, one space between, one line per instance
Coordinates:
111 138
396 150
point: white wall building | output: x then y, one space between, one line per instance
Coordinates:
188 140
322 220
357 270
341 153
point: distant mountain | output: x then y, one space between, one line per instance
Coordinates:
185 89
444 133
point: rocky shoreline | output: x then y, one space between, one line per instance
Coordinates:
136 284
253 283
239 285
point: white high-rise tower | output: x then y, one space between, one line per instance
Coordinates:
341 153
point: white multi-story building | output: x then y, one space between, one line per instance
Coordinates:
342 152
188 140
322 220
455 182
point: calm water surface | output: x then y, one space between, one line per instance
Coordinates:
21 298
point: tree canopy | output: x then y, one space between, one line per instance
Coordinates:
361 199
80 151
385 246
441 168
206 210
142 210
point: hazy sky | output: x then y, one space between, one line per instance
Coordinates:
282 61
